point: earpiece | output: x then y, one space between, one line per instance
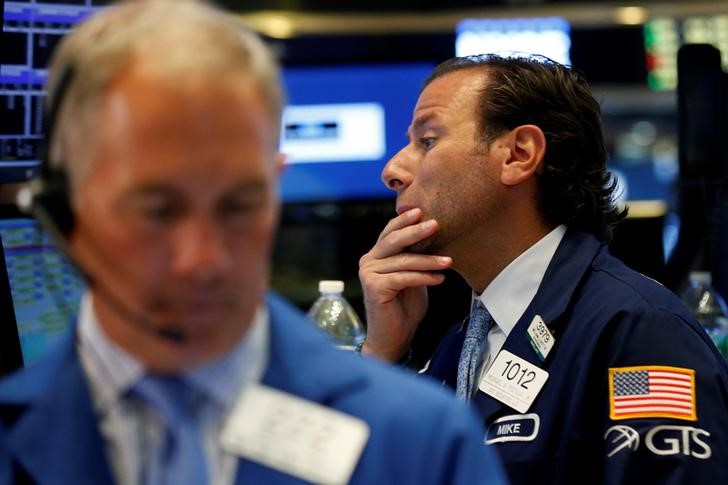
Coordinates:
47 199
47 196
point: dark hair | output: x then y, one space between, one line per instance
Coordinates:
575 187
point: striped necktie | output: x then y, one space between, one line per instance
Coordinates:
181 458
473 348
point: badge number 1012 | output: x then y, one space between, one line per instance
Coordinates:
514 381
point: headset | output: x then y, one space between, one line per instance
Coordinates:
47 198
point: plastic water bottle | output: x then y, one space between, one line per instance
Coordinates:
335 316
709 308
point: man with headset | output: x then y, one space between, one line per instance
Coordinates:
161 181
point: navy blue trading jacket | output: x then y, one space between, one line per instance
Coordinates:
625 351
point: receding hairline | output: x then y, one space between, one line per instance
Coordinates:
483 70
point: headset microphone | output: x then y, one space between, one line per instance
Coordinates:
47 198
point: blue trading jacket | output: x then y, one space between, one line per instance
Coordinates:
419 434
585 426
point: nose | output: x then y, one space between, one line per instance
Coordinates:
200 250
395 174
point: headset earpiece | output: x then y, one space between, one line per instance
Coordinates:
47 197
51 202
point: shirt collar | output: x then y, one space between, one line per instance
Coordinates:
510 293
112 371
224 378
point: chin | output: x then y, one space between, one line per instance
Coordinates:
419 248
429 246
192 351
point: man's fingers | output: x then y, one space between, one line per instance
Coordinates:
405 219
405 262
399 240
386 288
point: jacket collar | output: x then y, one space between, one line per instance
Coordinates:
568 267
563 276
57 435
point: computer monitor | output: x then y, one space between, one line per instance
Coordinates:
663 37
30 33
40 291
547 36
341 125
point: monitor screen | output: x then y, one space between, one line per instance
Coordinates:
342 124
30 33
663 36
548 37
340 127
44 287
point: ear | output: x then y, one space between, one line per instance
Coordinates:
527 145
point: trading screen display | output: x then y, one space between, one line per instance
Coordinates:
342 124
46 289
663 37
30 33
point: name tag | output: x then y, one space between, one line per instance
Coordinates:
541 338
513 381
518 427
295 436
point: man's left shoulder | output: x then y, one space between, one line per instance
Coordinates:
362 384
408 397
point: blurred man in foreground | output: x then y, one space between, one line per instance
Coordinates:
164 125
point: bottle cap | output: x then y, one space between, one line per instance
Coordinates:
331 286
700 277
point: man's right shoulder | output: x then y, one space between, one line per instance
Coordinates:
24 386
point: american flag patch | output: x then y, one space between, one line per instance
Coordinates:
652 392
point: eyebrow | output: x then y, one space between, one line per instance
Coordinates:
159 189
254 185
419 122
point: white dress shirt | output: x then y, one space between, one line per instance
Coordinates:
510 293
131 429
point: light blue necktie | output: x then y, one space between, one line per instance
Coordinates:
181 458
475 337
